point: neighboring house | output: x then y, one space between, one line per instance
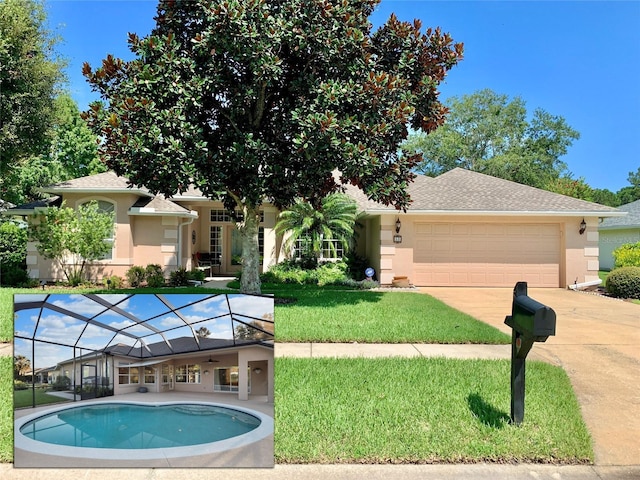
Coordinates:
618 231
462 229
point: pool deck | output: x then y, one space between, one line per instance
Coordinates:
256 455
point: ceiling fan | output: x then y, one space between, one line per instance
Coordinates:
211 360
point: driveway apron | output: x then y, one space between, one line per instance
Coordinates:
597 343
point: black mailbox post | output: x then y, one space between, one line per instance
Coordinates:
531 321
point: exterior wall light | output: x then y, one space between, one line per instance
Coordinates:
397 238
583 226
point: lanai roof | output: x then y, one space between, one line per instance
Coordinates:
138 325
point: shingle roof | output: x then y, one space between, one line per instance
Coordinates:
102 182
464 191
631 220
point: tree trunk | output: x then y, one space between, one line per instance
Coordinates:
250 281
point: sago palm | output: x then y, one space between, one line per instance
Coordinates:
335 219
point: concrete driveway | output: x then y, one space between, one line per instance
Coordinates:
597 343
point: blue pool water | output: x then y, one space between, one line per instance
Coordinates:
129 426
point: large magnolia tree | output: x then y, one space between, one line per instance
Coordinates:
261 100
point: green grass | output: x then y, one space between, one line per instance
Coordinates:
340 315
24 398
423 410
6 410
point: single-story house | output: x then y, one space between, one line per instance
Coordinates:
617 231
117 343
462 229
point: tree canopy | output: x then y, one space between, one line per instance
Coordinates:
255 100
30 74
489 133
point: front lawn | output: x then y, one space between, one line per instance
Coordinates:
424 410
342 315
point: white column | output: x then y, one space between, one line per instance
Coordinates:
243 380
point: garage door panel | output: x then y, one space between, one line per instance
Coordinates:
487 254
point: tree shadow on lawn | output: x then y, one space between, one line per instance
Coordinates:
325 298
487 413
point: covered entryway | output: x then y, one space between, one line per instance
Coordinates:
486 254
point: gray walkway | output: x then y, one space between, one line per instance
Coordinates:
350 350
339 472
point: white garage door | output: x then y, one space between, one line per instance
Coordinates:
486 254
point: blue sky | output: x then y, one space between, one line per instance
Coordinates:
577 59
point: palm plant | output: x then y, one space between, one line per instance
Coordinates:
334 219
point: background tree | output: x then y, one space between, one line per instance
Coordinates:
571 187
630 193
72 152
30 74
72 238
333 219
486 132
21 365
203 332
256 100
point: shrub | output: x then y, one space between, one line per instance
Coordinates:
627 255
197 275
20 385
13 252
624 282
179 277
356 265
114 282
154 275
292 272
331 273
135 276
62 383
13 275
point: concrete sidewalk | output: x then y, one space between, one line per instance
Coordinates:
340 472
377 350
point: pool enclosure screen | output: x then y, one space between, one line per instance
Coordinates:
69 340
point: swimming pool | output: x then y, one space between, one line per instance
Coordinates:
136 430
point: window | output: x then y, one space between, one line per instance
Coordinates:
149 375
215 244
225 379
188 374
127 375
224 216
303 246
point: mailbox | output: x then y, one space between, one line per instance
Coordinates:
531 318
530 321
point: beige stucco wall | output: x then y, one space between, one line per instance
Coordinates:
612 239
153 239
578 255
